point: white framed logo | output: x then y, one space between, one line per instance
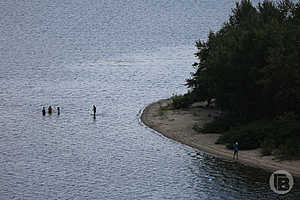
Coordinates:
281 182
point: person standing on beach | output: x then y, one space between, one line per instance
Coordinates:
49 110
94 110
236 150
44 111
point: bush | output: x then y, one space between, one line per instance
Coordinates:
182 101
220 124
249 136
279 137
268 148
291 148
197 128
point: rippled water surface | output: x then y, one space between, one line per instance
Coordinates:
120 56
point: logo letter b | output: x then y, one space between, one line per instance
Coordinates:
281 182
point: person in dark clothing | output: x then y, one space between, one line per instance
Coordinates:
236 150
58 110
94 110
49 110
44 111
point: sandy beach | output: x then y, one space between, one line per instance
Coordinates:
177 125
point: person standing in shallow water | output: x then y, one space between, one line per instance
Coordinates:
44 111
94 110
49 110
58 110
236 150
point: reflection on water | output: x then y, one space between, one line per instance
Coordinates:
232 180
119 56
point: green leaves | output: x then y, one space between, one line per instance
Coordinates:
251 65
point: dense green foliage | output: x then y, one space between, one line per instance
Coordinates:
219 125
278 137
183 101
251 67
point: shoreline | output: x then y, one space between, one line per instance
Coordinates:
177 125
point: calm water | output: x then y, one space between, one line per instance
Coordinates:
120 56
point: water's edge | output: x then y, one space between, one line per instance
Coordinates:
146 120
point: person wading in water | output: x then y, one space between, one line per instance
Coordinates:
44 111
94 110
49 110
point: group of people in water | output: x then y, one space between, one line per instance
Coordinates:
235 145
50 110
58 110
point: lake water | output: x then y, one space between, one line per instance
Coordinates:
120 56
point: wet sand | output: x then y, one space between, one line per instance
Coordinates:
177 125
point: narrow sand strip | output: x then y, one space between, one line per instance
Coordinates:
177 125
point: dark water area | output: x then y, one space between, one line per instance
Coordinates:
120 56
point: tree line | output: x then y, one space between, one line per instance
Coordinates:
251 66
